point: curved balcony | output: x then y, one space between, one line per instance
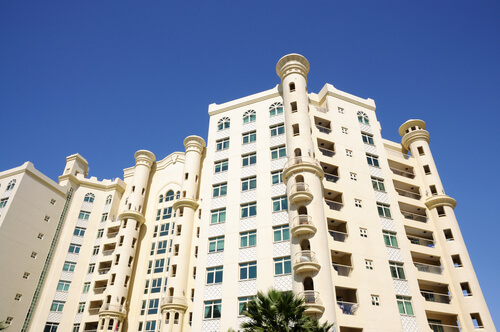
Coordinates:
174 303
302 225
347 308
113 308
342 270
301 164
300 193
305 261
312 302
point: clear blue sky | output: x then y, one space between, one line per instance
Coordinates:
106 78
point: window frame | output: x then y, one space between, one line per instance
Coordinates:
216 244
367 138
214 309
404 303
390 239
247 271
223 123
275 109
221 166
378 184
248 237
277 175
280 203
219 190
372 160
250 183
215 275
219 214
249 137
222 144
384 210
277 130
278 152
284 263
249 116
249 159
397 270
248 210
283 231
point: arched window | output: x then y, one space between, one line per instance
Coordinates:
363 118
223 123
249 116
169 196
161 199
275 109
11 185
178 195
108 199
89 198
292 86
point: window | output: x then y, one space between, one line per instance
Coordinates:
143 309
220 189
69 266
26 275
223 123
292 87
440 211
367 138
282 265
63 286
216 244
248 271
249 159
390 239
53 201
276 177
372 160
427 170
378 184
153 306
421 151
34 254
248 239
348 153
95 251
280 204
248 210
159 264
47 218
3 202
150 326
354 176
74 248
40 236
397 270
212 309
222 144
108 199
345 130
164 229
249 183
341 110
369 264
167 213
89 198
375 300
465 289
81 307
104 217
84 215
242 304
358 203
448 234
79 231
11 185
249 137
169 196
76 327
363 118
214 275
91 268
278 152
275 109
57 306
100 233
86 287
221 166
18 297
383 210
50 327
404 305
162 247
293 105
363 232
277 130
249 116
281 233
218 216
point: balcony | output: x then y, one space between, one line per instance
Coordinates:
302 225
174 302
91 327
398 154
407 190
299 192
412 212
428 268
434 292
312 302
427 263
113 308
331 172
341 263
401 169
346 300
438 327
337 230
94 307
299 164
112 232
326 148
333 200
420 237
305 262
324 126
108 249
436 297
442 322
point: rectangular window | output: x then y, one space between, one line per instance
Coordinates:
95 251
143 309
159 264
63 286
156 285
214 275
369 264
219 189
341 110
348 153
81 307
375 300
212 309
404 305
354 176
277 177
248 239
216 244
162 247
282 265
363 232
164 228
242 304
86 287
277 130
397 270
150 326
91 268
79 231
57 306
281 233
153 306
358 203
249 159
372 160
280 204
367 138
249 183
278 152
427 170
378 184
51 327
345 130
221 166
390 239
222 144
218 216
100 233
74 248
104 217
383 210
248 210
421 151
249 137
167 213
248 270
84 215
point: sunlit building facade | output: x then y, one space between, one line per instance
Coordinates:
292 190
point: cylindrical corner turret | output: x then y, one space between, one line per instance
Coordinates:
292 63
411 131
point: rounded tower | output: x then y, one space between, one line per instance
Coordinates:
312 278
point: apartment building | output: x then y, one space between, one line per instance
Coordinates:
292 190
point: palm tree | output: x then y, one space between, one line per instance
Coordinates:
279 312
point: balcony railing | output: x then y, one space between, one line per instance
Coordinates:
428 268
108 252
347 308
299 187
112 235
311 297
406 174
305 256
342 270
322 129
414 216
333 205
331 177
174 300
338 236
93 311
99 290
407 193
326 152
421 241
436 297
398 154
113 307
302 219
104 270
437 327
301 160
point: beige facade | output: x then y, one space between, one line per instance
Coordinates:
295 191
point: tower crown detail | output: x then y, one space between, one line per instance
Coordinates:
292 63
